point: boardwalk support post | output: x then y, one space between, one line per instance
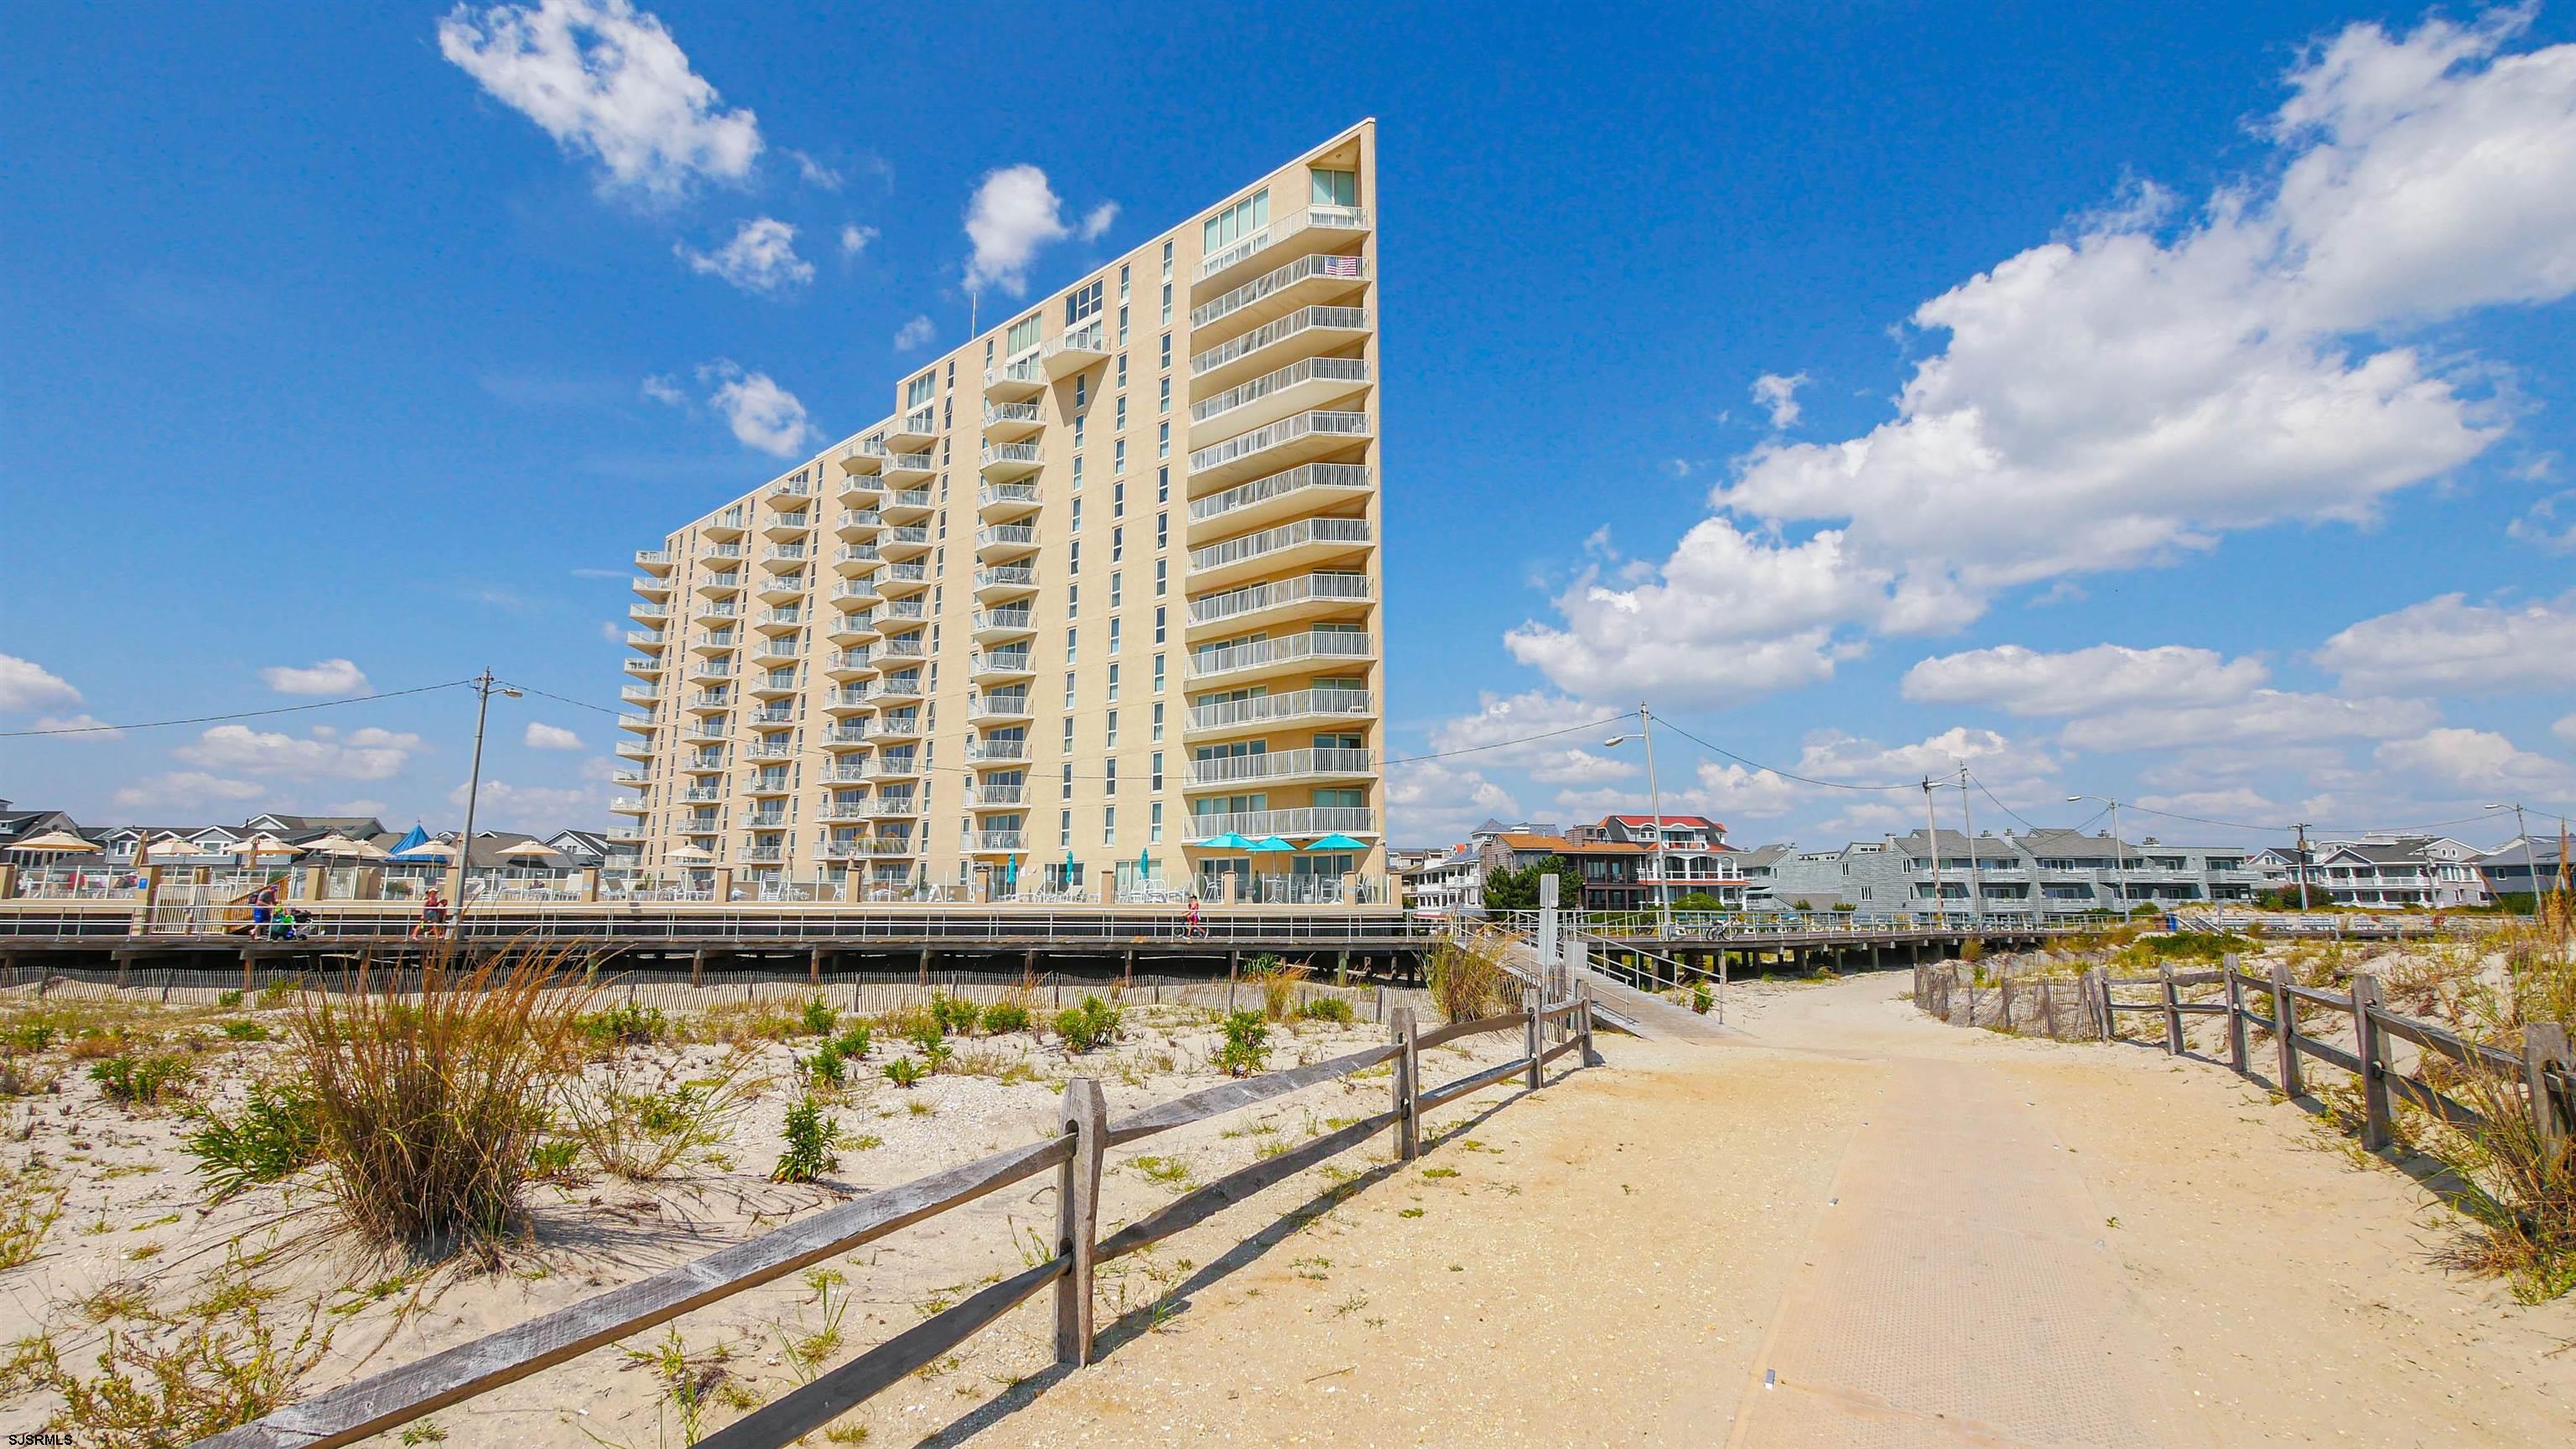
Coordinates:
1408 1067
1086 1120
2545 1050
2173 1010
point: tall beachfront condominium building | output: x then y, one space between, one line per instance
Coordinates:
1097 604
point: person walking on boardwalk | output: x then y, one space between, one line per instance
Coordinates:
433 917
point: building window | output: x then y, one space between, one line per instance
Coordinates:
1122 341
1068 739
1113 688
1162 571
1162 530
1158 709
1335 188
1081 391
1118 458
1069 638
1232 224
1162 444
1165 402
1117 550
1022 336
1160 620
1167 348
1083 303
1115 577
920 390
1167 311
1113 636
1064 781
1162 485
1111 745
1122 357
1157 779
1122 281
1068 691
1154 824
1077 516
1120 424
1109 826
1167 261
1064 830
1158 683
1078 430
1118 500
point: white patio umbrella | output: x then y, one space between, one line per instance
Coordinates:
344 845
56 842
529 850
428 850
168 847
694 854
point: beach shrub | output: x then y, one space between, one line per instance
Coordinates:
1328 1008
1467 979
1092 1024
955 1014
1247 1044
904 1071
811 1136
277 1133
853 1043
1004 1016
140 1081
819 1017
430 1106
1278 982
622 1025
640 1119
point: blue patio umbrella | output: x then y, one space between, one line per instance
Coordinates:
1011 875
1268 845
1338 842
1227 841
417 836
1068 868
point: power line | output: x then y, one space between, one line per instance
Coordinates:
562 698
1999 804
1774 770
157 724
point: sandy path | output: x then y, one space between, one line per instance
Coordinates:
1915 1234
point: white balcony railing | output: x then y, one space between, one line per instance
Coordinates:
992 751
1304 319
1028 453
1336 218
1292 705
1312 369
1278 434
1288 649
1279 765
1011 412
1346 268
994 841
1305 588
1303 820
1003 619
992 493
1007 535
1006 578
1286 536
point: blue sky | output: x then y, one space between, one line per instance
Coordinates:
2145 383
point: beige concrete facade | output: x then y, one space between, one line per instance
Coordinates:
1104 586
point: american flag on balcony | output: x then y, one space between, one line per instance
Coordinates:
1338 266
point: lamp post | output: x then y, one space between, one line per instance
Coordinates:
1654 804
2119 848
485 686
2530 864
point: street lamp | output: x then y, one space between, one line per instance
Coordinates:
2530 866
1655 804
485 686
2119 847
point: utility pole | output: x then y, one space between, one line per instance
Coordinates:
485 686
1932 832
1655 804
2119 849
2530 862
1968 819
2300 869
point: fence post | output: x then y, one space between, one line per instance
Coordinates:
1086 1116
1535 1001
2285 1031
2366 1038
2173 1009
2235 1014
1583 1021
1407 1066
2102 998
2545 1050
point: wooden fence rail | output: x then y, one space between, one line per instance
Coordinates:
2544 1070
350 1413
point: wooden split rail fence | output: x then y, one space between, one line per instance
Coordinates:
348 1414
2544 1069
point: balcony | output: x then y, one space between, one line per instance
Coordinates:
775 683
1303 544
720 609
900 646
999 664
1004 461
725 525
1306 332
796 486
1000 705
996 501
776 748
647 667
1317 228
772 715
1005 540
639 694
721 553
846 770
1288 654
856 524
782 588
995 842
900 765
848 699
1017 380
1086 346
1297 438
788 525
910 467
853 626
1298 387
629 805
993 626
762 854
652 588
657 559
856 591
852 559
708 729
647 613
623 833
903 578
917 430
1281 765
636 778
709 825
1304 282
777 619
635 749
1280 495
1264 713
902 805
844 810
702 795
996 752
910 540
996 797
711 669
642 724
845 736
1280 601
711 701
719 586
915 504
646 638
903 726
992 585
705 762
902 611
1306 820
902 688
1005 421
785 557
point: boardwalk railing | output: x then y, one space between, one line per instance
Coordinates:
2542 1074
1075 1154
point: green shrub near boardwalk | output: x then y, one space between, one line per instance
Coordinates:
1092 1024
956 1015
1328 1008
145 1081
1247 1044
277 1133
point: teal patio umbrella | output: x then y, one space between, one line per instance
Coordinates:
1270 845
1227 841
1010 875
1338 842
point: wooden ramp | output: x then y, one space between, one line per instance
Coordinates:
1639 1013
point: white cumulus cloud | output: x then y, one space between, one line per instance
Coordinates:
2476 761
2450 646
2024 681
1097 221
1778 396
855 239
1012 216
762 414
761 258
529 807
541 736
912 334
605 80
365 754
25 684
79 728
2271 715
186 791
326 676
